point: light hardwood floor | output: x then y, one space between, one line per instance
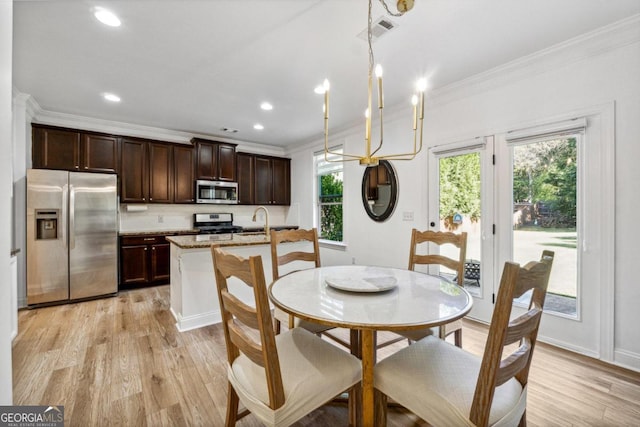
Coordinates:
121 361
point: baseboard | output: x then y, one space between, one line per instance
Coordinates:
188 323
627 359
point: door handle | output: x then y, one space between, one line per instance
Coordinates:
64 227
72 217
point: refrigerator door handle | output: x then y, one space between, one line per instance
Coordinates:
72 217
63 219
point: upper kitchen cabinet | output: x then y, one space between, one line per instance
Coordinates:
99 153
246 178
184 174
73 150
216 161
272 180
134 175
160 173
156 172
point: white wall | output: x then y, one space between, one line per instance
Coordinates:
6 37
593 70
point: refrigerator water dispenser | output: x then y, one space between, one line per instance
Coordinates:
46 224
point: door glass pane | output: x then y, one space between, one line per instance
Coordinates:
460 210
545 215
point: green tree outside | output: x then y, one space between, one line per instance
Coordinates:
330 192
546 173
460 186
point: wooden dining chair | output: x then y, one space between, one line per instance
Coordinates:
439 238
279 379
302 252
446 385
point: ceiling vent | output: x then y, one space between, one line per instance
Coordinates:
379 27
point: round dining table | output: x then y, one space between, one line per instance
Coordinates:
366 299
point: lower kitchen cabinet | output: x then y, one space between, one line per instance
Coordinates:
144 261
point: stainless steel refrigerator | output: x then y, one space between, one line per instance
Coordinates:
72 235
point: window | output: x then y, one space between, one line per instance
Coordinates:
329 191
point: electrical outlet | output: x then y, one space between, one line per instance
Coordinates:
407 216
160 219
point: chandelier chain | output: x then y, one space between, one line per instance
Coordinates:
389 10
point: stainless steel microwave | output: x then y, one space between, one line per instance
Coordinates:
216 192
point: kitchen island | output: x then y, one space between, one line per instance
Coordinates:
194 298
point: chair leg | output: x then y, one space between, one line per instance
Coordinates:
276 326
380 402
351 404
457 335
232 407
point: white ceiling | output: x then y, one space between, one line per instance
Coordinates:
199 66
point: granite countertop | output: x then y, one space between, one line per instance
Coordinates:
271 227
207 240
159 232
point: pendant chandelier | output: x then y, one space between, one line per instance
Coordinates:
369 157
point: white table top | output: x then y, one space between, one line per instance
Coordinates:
419 300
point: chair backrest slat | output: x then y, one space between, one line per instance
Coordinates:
296 256
293 236
439 238
238 318
245 344
244 312
513 364
495 370
523 326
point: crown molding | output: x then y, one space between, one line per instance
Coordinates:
54 118
591 44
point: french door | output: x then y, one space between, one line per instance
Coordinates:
555 191
461 199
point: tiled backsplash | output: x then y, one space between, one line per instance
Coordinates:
158 217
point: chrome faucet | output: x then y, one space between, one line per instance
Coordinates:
266 219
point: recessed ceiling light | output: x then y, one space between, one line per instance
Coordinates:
266 106
106 17
258 126
319 90
111 97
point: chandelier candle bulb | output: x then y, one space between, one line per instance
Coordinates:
414 102
380 93
367 125
326 98
422 86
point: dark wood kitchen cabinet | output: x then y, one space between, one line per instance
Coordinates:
99 153
144 260
184 174
134 184
216 161
156 172
73 150
272 181
246 178
160 173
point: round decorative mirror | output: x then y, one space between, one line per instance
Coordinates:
379 191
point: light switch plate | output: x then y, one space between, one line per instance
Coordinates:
407 216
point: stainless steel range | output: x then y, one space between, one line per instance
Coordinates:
215 223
